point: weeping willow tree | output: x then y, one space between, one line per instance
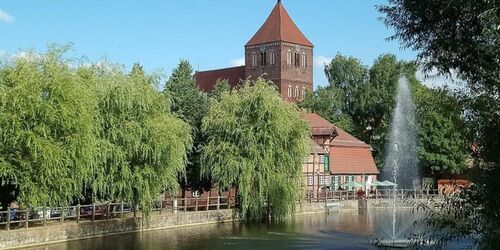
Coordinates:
256 142
141 145
48 125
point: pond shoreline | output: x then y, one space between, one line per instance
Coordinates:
71 231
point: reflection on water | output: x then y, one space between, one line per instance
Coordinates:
318 231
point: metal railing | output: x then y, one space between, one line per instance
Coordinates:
25 218
322 196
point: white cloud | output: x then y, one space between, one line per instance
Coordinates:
320 61
237 62
6 17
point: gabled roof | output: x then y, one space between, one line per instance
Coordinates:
349 155
205 80
318 125
279 26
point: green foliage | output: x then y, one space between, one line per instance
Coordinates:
65 130
256 142
142 147
190 104
221 86
442 141
48 125
348 75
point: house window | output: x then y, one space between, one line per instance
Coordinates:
336 182
327 163
254 59
321 180
289 57
263 59
350 178
289 91
322 159
310 180
273 57
306 159
327 180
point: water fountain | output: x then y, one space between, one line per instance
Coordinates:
401 162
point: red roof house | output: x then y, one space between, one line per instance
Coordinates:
348 155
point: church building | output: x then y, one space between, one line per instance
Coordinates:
278 51
281 53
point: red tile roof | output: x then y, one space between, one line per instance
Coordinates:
343 138
318 125
279 27
352 160
206 79
349 155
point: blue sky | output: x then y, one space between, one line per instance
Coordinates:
210 34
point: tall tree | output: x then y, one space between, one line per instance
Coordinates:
48 125
442 137
142 146
348 75
190 104
463 37
256 142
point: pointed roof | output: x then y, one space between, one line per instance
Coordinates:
279 26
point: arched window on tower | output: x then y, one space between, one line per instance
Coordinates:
303 94
263 58
297 59
303 60
289 91
254 59
289 57
296 95
273 57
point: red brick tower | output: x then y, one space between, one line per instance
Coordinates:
282 53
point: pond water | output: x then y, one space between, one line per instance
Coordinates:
316 231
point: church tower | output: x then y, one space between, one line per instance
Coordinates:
281 53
